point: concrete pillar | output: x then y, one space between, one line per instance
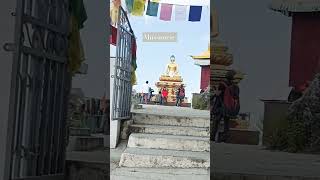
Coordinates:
114 124
6 36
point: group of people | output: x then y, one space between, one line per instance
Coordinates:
162 97
225 104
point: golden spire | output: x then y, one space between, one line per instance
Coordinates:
214 23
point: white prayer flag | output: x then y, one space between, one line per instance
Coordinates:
181 12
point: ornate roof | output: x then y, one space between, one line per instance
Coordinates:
204 55
290 6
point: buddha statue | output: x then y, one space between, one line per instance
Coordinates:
172 68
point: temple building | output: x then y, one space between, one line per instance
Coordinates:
203 60
221 59
305 39
215 67
172 81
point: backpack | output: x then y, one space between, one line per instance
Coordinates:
231 100
181 92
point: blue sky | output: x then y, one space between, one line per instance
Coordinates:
152 57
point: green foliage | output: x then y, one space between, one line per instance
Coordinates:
202 101
198 103
303 131
278 140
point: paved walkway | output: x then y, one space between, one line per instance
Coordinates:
255 160
172 111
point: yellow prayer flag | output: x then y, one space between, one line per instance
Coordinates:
138 7
157 1
114 13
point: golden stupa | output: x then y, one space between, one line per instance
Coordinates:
221 58
171 80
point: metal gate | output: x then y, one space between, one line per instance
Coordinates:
38 101
122 87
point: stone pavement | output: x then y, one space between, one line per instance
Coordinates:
230 160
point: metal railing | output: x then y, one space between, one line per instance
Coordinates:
40 86
122 88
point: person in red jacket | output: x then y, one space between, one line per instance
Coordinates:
164 95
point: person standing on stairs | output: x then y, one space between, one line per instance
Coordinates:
225 105
145 92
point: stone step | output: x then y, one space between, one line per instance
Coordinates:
79 131
170 130
160 174
159 158
238 124
85 143
158 141
150 119
243 136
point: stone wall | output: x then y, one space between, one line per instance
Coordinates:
124 130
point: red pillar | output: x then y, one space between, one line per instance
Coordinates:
205 77
305 48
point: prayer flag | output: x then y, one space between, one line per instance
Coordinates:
152 9
113 35
138 7
114 13
129 4
195 13
181 12
166 12
117 3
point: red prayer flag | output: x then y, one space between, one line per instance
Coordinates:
134 48
113 35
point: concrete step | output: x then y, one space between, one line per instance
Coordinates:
160 174
85 143
238 124
181 143
243 136
150 119
79 131
155 158
170 130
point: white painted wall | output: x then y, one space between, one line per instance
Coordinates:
114 125
6 35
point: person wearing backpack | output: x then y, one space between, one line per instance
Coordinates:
226 104
180 95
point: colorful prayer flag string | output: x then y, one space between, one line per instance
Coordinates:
137 8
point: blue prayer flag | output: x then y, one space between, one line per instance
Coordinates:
152 9
129 4
195 13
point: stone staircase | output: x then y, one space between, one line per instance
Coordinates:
158 143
